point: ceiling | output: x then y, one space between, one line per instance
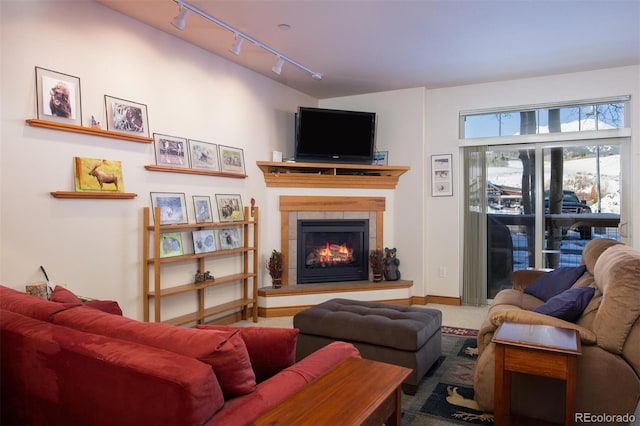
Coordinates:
366 46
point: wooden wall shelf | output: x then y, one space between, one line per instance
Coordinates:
330 175
95 195
54 125
170 169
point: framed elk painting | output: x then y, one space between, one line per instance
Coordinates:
58 97
96 174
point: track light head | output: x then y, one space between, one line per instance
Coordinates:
180 19
316 76
277 68
235 49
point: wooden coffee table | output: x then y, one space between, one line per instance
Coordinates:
355 392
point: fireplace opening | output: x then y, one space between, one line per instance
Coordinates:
332 250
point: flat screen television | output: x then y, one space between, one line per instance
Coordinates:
334 136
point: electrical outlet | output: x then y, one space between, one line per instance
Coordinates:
442 272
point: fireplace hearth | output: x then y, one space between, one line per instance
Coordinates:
331 250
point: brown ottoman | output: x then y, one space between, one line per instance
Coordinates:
402 335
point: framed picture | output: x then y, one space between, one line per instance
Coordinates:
203 155
229 207
58 97
170 150
126 116
94 174
231 159
202 208
204 241
173 207
229 238
441 176
171 244
381 158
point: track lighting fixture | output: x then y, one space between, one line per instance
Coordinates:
277 68
185 8
237 45
181 18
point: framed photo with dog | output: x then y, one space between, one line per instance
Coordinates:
126 116
58 97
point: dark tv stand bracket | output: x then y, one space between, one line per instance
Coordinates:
330 175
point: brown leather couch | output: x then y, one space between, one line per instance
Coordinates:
608 386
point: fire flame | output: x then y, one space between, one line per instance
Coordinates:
335 253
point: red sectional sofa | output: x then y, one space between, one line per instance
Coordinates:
69 362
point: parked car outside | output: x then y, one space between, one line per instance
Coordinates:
571 204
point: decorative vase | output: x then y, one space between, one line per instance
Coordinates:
277 282
377 277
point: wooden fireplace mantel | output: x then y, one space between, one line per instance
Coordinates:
330 175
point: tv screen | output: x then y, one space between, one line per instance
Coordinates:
334 136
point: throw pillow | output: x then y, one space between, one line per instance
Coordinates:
567 305
554 282
231 364
271 349
64 295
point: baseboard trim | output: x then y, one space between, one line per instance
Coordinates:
287 311
444 300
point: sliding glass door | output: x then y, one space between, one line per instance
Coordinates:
537 206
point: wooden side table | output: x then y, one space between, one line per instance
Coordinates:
540 350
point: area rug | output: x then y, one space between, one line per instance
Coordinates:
445 394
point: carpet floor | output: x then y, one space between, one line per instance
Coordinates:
445 394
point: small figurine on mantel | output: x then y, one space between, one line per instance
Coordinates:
391 262
95 124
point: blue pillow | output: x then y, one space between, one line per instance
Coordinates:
555 282
567 305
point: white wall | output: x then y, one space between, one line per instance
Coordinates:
443 214
400 130
95 246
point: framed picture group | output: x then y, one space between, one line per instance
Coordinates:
190 153
173 207
176 243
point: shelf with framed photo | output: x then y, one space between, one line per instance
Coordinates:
167 242
65 127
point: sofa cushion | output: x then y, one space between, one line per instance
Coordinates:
616 273
554 282
57 375
222 350
271 349
64 295
567 305
246 408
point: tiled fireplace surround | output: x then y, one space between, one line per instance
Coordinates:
293 208
292 298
